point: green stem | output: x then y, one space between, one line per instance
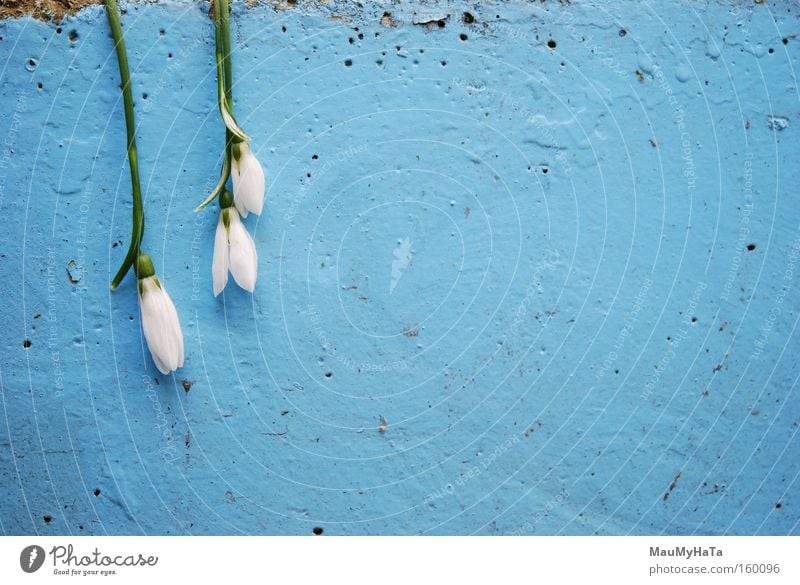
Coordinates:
137 230
225 84
222 46
220 187
223 98
225 25
220 60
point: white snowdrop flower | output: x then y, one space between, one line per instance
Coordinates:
234 249
248 180
162 328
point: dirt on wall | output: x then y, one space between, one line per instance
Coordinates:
55 10
43 9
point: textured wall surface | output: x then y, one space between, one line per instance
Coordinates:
555 246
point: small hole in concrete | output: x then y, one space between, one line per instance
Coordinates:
314 157
622 32
329 374
463 37
771 50
551 43
73 35
348 62
751 247
58 32
48 519
26 344
96 492
318 531
144 96
283 28
467 18
441 23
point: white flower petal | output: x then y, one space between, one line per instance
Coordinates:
237 201
248 181
161 326
219 266
174 328
243 256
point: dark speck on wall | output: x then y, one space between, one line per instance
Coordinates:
317 531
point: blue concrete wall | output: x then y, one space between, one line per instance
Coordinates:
529 257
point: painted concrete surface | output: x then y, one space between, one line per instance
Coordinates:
531 274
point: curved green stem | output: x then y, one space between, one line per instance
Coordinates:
137 230
220 187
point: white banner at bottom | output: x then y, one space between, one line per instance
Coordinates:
388 560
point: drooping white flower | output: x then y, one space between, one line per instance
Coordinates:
162 328
234 251
248 180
